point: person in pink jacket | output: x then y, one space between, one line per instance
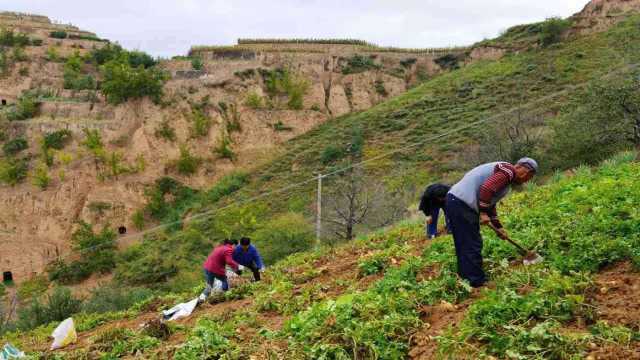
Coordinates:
215 267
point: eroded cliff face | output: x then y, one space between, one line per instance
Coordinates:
599 15
36 225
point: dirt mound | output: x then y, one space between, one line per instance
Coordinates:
617 301
437 319
618 296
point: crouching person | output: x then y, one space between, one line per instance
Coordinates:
248 256
215 267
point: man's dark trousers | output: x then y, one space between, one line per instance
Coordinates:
465 227
254 269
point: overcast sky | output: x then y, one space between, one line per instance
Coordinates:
170 27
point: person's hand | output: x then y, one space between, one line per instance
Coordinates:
484 219
429 220
261 269
240 267
502 233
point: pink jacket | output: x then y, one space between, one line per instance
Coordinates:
219 257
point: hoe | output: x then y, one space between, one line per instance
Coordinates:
530 257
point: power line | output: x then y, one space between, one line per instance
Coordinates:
208 213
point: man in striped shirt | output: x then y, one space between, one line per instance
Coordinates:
472 202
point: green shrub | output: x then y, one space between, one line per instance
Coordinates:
41 177
197 63
187 164
552 29
13 171
282 82
201 122
380 89
14 146
158 206
58 306
52 54
19 54
315 107
73 77
165 131
57 139
97 255
122 82
9 38
113 298
36 42
58 34
25 108
359 63
226 186
106 53
34 287
331 153
282 236
254 100
224 150
139 58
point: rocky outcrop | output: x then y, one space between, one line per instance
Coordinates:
599 15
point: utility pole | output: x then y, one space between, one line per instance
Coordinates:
319 211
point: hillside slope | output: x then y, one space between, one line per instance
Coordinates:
538 83
219 112
393 296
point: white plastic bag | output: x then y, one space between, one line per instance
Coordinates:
64 334
180 310
9 352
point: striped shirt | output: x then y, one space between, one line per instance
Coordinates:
503 176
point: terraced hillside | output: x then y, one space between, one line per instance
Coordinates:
392 295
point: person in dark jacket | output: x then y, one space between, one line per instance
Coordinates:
472 202
247 255
433 199
215 267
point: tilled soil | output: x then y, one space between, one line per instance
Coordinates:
617 301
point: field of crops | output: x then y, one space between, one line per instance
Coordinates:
393 295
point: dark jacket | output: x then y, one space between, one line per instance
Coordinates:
430 199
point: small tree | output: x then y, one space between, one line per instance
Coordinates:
552 29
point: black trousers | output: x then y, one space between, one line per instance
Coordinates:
254 269
464 223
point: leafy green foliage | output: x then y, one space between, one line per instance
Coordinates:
281 82
254 100
380 89
122 81
97 252
359 63
10 38
13 171
58 34
112 298
187 164
197 63
223 149
165 131
201 121
25 108
282 236
552 29
14 146
600 123
58 306
57 139
73 77
41 177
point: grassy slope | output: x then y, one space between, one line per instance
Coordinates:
368 299
447 102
